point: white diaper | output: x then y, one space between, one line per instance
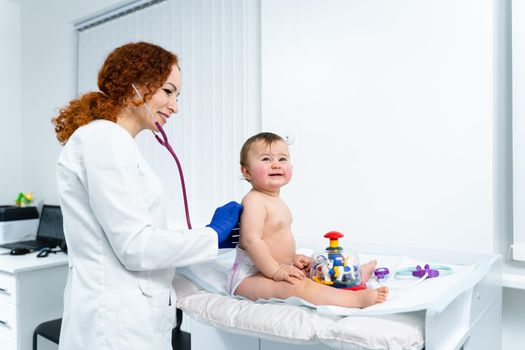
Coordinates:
242 268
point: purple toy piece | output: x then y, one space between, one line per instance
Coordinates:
420 272
381 272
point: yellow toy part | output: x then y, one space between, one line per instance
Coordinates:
319 280
338 270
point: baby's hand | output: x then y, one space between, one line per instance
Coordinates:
288 273
303 262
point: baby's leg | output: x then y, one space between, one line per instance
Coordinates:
320 294
368 269
260 287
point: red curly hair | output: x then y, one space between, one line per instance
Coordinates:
144 64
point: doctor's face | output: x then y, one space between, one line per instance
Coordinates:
163 103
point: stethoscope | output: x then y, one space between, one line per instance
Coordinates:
164 142
417 272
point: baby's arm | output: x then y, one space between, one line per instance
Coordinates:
252 228
302 262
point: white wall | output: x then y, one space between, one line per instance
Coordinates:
401 114
409 113
394 110
12 137
48 79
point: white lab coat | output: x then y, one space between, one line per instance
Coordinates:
122 259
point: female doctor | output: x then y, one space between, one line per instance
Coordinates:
122 258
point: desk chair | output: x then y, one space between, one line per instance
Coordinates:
49 330
180 340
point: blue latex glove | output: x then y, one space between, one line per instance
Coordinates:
224 220
232 240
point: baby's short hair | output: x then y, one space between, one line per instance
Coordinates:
267 137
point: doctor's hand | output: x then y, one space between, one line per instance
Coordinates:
223 221
232 240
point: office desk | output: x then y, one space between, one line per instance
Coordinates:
31 292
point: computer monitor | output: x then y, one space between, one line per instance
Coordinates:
51 227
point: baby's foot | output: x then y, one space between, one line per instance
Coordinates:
370 297
382 294
367 270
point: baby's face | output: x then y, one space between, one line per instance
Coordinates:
269 166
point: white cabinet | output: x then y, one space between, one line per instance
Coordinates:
206 337
31 292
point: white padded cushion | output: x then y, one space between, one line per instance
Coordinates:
394 332
300 325
279 322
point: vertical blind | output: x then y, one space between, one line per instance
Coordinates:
218 44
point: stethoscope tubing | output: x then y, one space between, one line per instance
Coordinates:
164 142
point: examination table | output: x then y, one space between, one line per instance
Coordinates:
466 317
